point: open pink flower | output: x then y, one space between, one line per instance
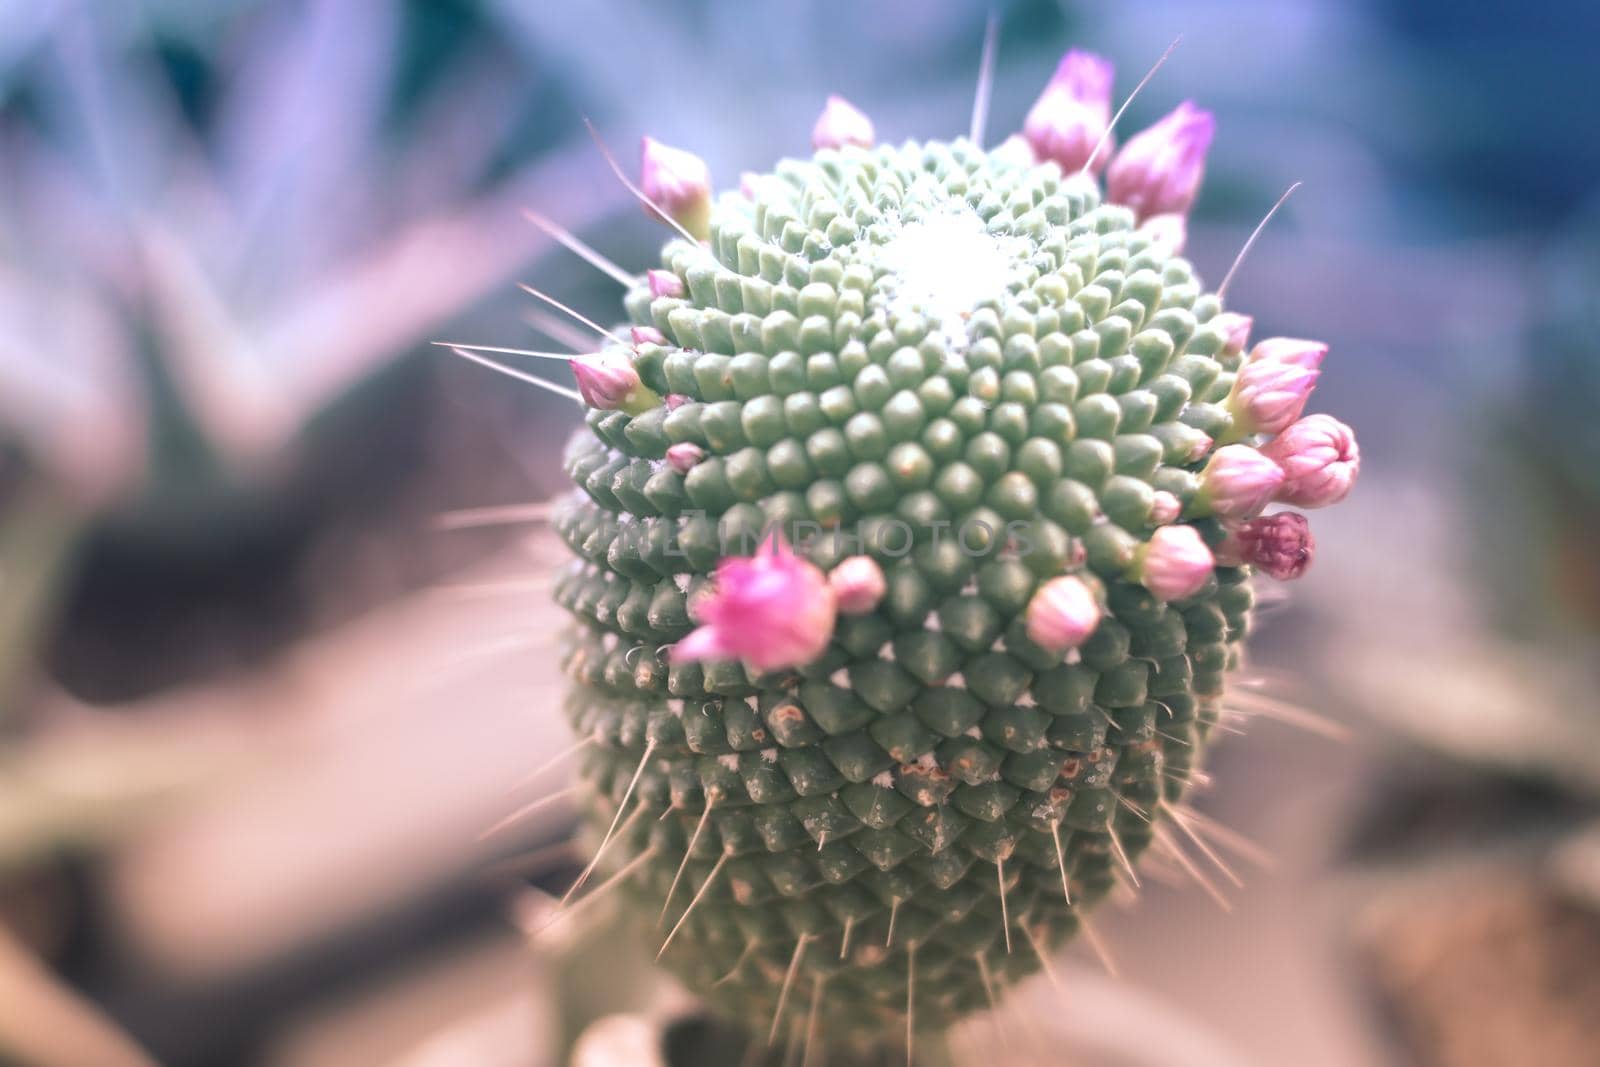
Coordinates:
1268 395
1237 483
1279 545
1062 614
1319 458
1175 563
678 182
858 585
841 123
1073 114
1159 170
772 610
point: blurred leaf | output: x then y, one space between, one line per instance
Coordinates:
37 532
235 231
1414 646
45 1024
79 786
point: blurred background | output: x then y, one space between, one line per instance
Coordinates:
264 682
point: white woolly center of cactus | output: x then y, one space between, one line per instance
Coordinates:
945 265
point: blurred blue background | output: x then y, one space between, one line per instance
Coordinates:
230 230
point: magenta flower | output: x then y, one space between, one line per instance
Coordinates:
1062 614
1319 459
1073 114
607 381
772 610
1280 545
858 585
678 183
841 123
1291 350
684 454
663 283
1175 563
1159 170
1235 331
1237 483
1267 395
647 335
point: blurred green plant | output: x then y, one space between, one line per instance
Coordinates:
1480 841
1512 562
1540 554
222 228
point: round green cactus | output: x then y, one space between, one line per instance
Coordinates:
957 466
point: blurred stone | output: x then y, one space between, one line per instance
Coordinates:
619 1041
1487 969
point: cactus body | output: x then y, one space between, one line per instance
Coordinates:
974 371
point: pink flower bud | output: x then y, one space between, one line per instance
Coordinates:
772 610
841 123
1077 555
749 180
683 455
1073 114
1290 350
1267 396
647 335
677 182
674 401
1235 331
1062 614
858 585
1159 170
1237 483
606 380
1319 458
1164 508
1014 150
663 283
1280 545
1168 232
1175 563
1202 445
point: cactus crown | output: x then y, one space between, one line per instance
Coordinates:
1003 414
